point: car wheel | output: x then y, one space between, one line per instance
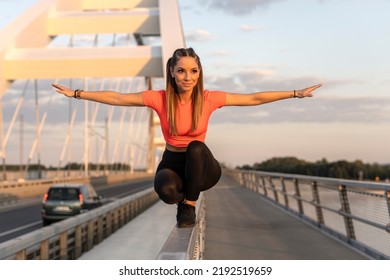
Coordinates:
45 222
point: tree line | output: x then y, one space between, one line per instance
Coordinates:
69 166
356 170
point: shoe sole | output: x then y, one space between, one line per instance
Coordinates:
186 225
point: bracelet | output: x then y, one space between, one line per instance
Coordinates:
295 94
77 93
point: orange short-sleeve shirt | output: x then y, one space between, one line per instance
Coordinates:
157 101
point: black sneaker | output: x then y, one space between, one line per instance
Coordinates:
185 215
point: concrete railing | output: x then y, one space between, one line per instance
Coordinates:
355 212
186 243
70 238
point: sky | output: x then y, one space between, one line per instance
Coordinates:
263 45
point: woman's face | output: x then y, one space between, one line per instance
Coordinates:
186 73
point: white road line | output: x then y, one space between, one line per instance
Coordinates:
20 228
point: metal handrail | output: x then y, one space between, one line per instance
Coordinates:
362 207
70 238
322 180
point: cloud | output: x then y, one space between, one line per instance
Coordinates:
259 80
310 110
198 35
251 28
321 108
241 7
248 80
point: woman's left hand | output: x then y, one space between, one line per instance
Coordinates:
306 92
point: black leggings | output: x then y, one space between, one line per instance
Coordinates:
183 175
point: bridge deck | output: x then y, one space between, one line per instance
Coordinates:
239 225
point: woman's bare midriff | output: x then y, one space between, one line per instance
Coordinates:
175 149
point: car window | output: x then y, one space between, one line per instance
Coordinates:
63 194
91 192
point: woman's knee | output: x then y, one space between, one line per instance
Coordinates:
196 148
168 186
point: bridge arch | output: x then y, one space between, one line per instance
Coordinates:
129 43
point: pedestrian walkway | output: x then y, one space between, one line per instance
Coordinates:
240 225
141 239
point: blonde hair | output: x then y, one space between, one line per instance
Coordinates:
172 91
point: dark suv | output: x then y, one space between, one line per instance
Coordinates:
65 200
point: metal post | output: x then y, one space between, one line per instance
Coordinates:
317 203
21 150
284 192
106 169
2 139
387 197
115 156
11 125
38 135
131 160
258 183
264 186
345 209
69 132
274 189
298 197
86 136
246 180
152 148
252 185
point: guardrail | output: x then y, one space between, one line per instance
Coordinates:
70 238
11 192
186 243
7 199
355 212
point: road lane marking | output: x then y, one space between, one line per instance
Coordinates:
20 228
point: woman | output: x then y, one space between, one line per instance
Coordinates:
187 166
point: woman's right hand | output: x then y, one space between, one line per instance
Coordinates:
64 90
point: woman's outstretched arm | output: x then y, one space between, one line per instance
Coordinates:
106 97
257 98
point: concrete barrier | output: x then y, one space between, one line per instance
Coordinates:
7 199
11 192
186 243
70 238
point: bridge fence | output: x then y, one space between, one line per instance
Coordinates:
70 238
355 212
